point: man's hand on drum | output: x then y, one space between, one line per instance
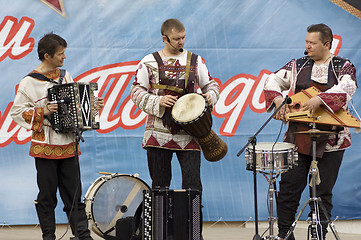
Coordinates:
209 98
312 105
281 114
167 100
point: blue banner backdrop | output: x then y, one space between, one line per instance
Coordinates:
241 42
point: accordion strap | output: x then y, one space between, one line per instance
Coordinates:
44 78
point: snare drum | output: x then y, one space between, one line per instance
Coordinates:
110 198
283 155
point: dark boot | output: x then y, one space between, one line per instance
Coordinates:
47 222
79 225
291 237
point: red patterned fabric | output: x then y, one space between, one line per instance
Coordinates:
192 145
349 69
28 116
44 150
152 142
38 119
171 145
334 100
269 96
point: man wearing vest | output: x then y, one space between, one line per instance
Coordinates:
54 152
335 77
161 78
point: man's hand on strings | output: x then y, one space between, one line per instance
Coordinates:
281 114
312 105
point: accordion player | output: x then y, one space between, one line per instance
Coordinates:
76 107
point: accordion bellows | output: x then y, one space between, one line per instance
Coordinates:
171 214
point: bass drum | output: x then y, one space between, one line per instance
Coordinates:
112 197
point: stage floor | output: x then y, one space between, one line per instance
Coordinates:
211 231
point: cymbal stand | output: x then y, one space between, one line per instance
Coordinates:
315 219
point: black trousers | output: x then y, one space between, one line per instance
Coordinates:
62 174
294 181
160 169
58 173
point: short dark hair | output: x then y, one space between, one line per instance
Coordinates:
169 24
49 44
324 30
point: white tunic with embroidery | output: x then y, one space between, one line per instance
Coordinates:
28 112
334 98
147 99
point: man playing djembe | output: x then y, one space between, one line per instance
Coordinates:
161 78
162 138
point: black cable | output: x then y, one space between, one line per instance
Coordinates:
74 204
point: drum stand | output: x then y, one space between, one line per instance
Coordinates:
252 140
271 190
317 202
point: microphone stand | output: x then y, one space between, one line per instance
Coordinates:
253 140
78 137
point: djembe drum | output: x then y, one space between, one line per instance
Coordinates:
192 113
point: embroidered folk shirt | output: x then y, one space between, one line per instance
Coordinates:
147 99
28 112
338 77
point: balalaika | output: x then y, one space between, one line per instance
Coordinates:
76 107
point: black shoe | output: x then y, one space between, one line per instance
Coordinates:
291 237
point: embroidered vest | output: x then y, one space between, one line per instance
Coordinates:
175 86
304 69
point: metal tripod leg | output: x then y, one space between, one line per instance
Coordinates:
315 213
314 222
271 218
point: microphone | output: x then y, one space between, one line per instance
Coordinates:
66 100
168 40
288 100
305 52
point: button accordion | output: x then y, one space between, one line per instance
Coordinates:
171 214
76 107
